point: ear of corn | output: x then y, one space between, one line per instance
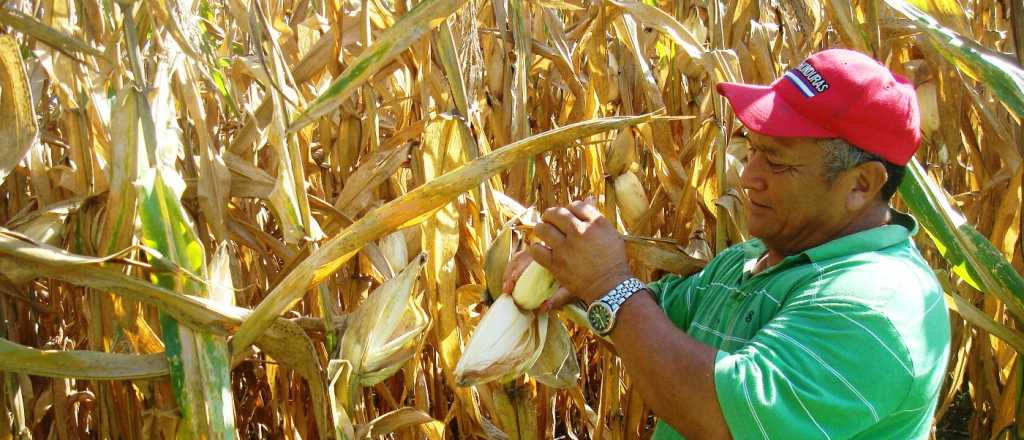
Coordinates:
621 153
385 330
928 103
631 198
512 339
18 125
534 287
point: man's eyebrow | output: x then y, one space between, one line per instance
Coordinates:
768 149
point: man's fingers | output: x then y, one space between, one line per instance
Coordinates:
549 234
585 209
562 219
515 268
541 254
559 299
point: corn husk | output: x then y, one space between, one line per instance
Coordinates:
621 153
557 366
631 198
495 261
386 330
505 344
928 102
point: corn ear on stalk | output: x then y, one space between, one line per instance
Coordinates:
621 153
928 102
505 344
631 198
386 329
395 250
534 287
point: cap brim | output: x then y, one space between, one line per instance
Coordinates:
764 111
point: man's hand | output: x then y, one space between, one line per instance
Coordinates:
582 250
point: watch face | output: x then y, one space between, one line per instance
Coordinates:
600 316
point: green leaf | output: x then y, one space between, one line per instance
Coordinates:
199 362
971 255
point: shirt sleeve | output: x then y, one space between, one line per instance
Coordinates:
817 370
675 295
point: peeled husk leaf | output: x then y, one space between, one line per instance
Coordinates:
505 344
557 366
495 261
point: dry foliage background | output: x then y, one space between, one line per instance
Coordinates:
172 165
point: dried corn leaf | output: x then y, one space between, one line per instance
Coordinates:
56 39
425 16
80 364
394 421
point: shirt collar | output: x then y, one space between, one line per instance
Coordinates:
900 228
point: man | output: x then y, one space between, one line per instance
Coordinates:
828 324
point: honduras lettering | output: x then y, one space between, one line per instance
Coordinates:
807 80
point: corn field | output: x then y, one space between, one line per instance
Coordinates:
285 219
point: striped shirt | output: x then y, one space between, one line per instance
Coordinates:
846 340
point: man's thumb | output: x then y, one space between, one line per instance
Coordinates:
559 299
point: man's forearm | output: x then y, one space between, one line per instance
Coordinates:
674 372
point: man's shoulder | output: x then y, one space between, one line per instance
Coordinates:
875 277
896 285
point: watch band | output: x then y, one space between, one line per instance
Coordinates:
615 297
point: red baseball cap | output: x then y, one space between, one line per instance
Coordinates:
835 93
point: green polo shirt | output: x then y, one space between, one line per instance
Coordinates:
848 339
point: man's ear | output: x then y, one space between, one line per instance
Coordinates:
868 179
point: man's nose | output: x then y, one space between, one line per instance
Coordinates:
752 178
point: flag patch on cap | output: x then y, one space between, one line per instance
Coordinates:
807 79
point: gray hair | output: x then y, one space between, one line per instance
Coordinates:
841 155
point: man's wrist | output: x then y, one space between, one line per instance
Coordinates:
631 304
604 285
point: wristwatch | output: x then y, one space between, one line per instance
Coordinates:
601 313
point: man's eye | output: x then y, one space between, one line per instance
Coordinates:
778 167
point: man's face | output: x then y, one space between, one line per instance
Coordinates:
792 206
